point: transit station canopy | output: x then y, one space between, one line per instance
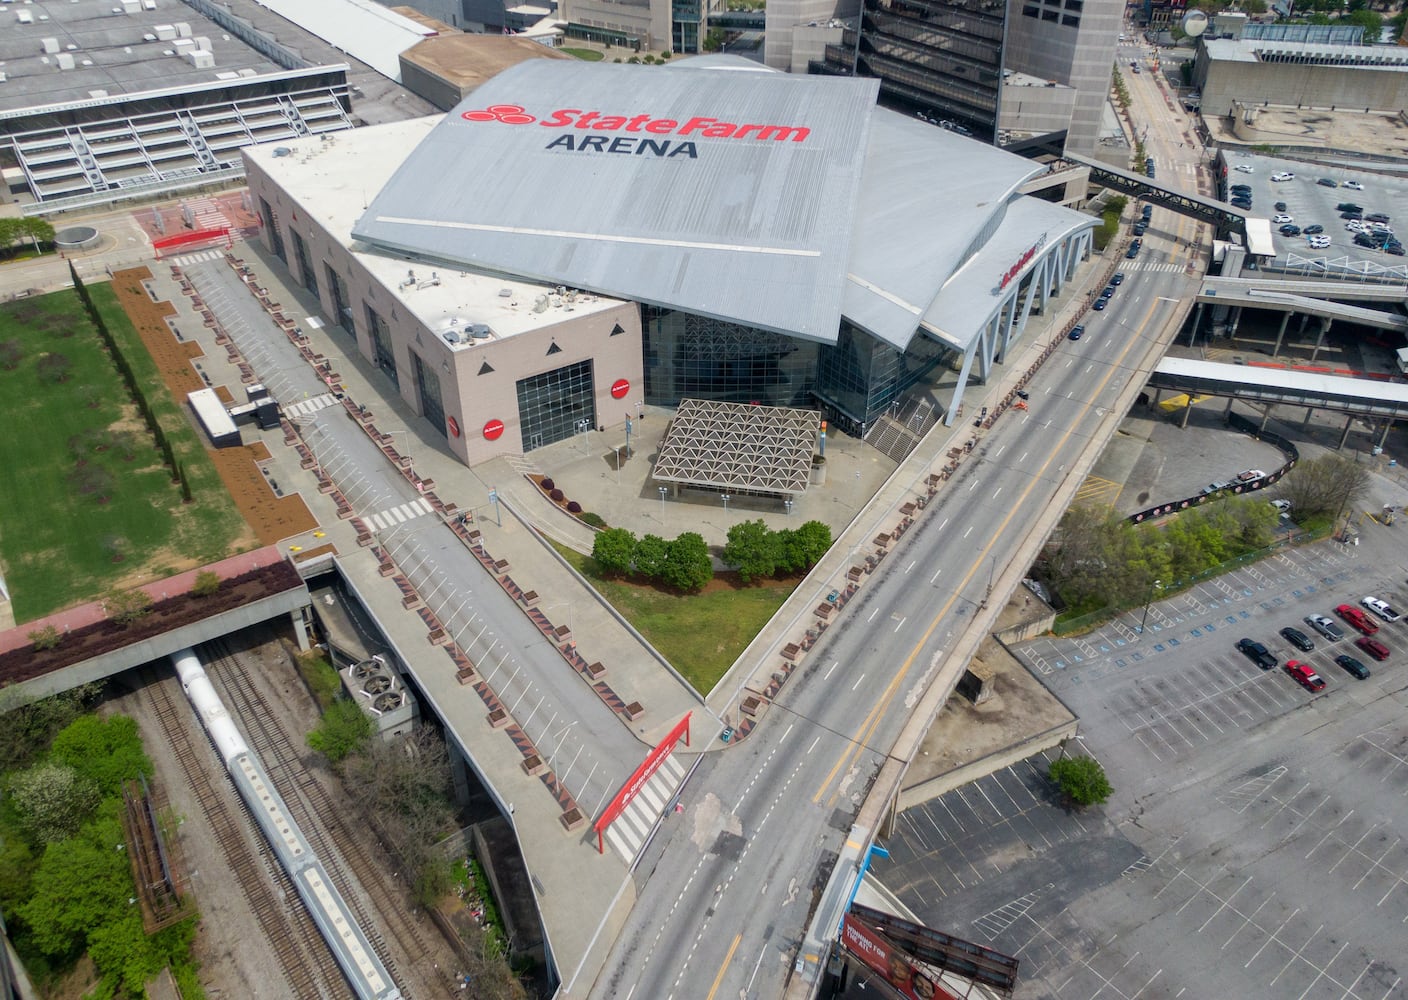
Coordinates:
739 446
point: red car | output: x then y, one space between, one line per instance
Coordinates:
1305 676
1357 619
1373 647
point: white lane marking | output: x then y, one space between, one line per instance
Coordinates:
830 669
857 683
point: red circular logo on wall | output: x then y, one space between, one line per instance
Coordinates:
454 426
493 429
619 388
509 114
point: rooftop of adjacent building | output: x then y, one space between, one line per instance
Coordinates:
468 60
331 180
1255 50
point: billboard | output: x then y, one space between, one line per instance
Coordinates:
906 978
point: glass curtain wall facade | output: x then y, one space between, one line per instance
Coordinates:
382 354
939 57
551 405
701 358
861 377
688 25
271 226
431 406
337 288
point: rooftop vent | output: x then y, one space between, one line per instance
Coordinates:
282 151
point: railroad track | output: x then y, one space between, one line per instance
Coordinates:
324 824
262 880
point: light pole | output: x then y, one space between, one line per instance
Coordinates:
407 435
725 498
1144 621
662 504
788 504
584 428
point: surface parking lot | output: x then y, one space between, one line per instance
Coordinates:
1257 841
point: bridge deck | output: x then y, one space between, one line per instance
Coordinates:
1279 385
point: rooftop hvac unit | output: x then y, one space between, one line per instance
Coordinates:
540 304
480 332
365 668
377 684
388 702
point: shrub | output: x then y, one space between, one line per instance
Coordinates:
206 583
557 496
1081 780
547 484
127 606
595 520
573 507
344 729
45 638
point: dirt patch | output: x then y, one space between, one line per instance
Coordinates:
271 518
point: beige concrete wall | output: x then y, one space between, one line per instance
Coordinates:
1296 84
922 792
471 398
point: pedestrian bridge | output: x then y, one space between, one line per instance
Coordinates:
1253 383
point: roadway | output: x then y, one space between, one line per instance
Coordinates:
727 887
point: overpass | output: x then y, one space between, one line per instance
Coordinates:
1353 290
1255 293
1222 216
1357 397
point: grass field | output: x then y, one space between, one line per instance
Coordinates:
60 545
700 634
586 55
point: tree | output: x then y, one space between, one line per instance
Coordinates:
651 555
52 800
344 729
79 883
689 567
1330 485
1081 780
613 551
25 730
1370 20
106 751
753 550
809 543
206 583
127 606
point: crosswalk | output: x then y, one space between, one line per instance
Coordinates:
208 213
1140 265
392 516
312 404
186 260
627 835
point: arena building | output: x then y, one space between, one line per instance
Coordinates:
576 239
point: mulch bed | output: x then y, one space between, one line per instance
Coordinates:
105 636
271 517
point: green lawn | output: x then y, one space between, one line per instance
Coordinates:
586 55
700 634
57 543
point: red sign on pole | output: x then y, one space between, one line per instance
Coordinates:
911 982
637 781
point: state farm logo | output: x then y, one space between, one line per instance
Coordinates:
509 114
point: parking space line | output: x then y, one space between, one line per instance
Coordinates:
1247 920
1217 873
1321 973
1297 954
1284 804
1353 848
1328 834
1225 903
1377 863
1272 938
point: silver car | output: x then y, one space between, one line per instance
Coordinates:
1325 626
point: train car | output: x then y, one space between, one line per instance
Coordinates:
349 944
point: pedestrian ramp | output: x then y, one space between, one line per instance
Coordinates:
305 407
393 516
187 259
627 834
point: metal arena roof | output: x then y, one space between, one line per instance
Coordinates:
812 205
739 446
726 194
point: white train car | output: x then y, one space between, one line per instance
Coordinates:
369 978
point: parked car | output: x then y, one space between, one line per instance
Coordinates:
1353 667
1257 653
1297 638
1357 619
1328 182
1381 608
1396 249
1313 229
1280 206
1148 212
1373 647
1250 475
1319 242
1076 331
1100 304
1352 185
1284 506
1289 230
1305 675
1132 252
1242 168
1325 626
1245 204
1283 175
1215 487
1117 278
1348 206
1140 228
1107 291
1376 217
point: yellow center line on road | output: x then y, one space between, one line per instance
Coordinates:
724 968
860 739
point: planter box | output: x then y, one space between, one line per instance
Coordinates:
791 651
438 637
498 718
572 819
533 765
562 632
464 675
595 670
387 569
633 711
529 598
410 601
752 705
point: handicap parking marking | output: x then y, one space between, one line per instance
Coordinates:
1158 647
1104 649
1245 614
1196 632
1210 627
1120 642
1060 664
1120 662
1174 642
1231 619
1295 593
1136 656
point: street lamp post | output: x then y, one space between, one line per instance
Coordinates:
1145 619
788 504
725 498
662 504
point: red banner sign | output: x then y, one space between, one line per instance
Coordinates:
619 388
637 781
1022 262
187 239
493 429
894 965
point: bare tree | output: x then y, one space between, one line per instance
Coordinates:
1330 485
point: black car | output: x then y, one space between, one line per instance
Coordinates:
1148 212
1140 228
1290 229
1076 331
1244 188
1131 253
1148 161
1280 206
1348 206
1241 203
1117 278
1365 240
1327 182
1297 638
1313 229
1355 216
1107 291
1257 653
1100 304
1376 217
1395 249
1353 667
